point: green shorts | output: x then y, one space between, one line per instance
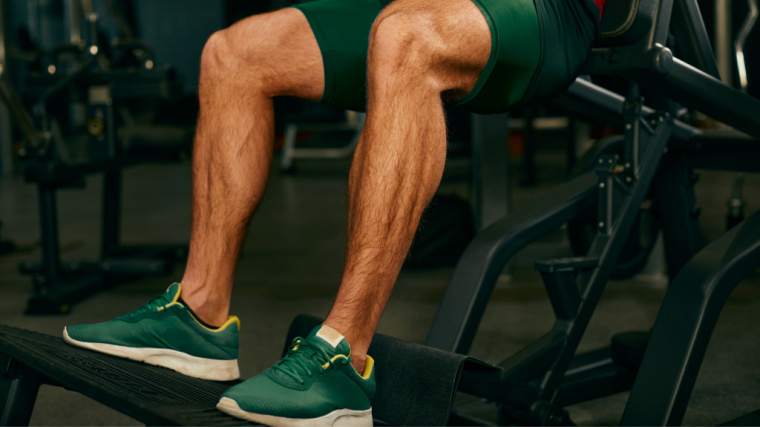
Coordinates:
538 48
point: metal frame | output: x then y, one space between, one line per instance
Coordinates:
547 372
653 65
19 386
687 318
490 170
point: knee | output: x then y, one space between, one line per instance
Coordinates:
402 44
441 48
229 55
218 58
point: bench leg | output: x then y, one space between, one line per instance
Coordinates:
18 392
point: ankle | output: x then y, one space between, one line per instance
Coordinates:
359 363
213 315
358 345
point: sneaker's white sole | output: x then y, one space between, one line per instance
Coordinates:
198 367
337 418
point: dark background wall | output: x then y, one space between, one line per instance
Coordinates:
177 31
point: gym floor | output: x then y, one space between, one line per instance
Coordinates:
291 264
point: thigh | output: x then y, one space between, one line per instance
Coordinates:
538 48
342 29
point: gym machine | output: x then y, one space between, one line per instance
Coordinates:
658 148
48 162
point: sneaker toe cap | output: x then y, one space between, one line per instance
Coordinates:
84 333
95 333
261 395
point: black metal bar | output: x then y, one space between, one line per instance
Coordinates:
607 249
592 102
18 393
136 264
35 138
633 127
560 284
563 294
534 359
687 317
595 102
693 43
59 174
490 168
661 28
490 386
111 213
570 147
599 378
49 233
697 89
677 212
608 193
470 288
528 168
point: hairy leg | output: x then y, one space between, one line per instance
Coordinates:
420 51
242 68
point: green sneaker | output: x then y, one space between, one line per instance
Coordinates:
166 333
313 385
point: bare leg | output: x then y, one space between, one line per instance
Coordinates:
242 68
419 51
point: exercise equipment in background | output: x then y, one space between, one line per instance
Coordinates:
75 118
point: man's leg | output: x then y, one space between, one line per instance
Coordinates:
242 68
419 51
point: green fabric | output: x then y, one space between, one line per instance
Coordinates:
515 54
341 28
172 328
298 386
568 32
538 48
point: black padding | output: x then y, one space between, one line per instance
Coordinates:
150 394
625 22
415 384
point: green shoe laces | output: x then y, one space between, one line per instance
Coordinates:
305 359
152 305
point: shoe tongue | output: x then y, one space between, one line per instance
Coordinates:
173 292
330 339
